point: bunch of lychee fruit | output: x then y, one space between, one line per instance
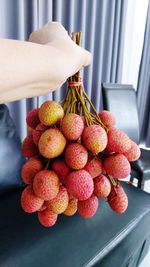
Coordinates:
71 165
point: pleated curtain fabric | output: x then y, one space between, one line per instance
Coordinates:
143 89
102 24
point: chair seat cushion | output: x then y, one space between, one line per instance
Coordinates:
142 166
107 239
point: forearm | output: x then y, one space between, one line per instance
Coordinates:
29 69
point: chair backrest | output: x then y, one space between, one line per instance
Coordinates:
121 101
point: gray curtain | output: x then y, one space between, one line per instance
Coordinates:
102 23
143 90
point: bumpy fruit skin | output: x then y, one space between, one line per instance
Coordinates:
80 184
107 118
29 201
32 118
133 153
94 166
39 130
50 113
46 184
118 141
76 156
52 143
30 169
47 217
72 207
60 202
72 126
102 186
61 168
88 208
117 166
118 200
28 148
94 138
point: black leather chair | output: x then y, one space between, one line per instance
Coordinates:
106 240
121 100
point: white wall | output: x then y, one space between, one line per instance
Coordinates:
134 34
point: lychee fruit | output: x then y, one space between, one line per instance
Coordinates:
47 217
133 153
72 126
107 118
80 184
28 148
94 138
52 143
60 202
50 113
44 207
88 208
76 156
118 141
72 207
46 184
117 166
37 132
61 168
30 169
102 186
94 166
118 200
32 118
29 201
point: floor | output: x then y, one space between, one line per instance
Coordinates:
146 261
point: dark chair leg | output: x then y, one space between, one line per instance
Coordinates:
141 184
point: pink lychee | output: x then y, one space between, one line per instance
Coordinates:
29 201
30 169
94 138
133 153
107 118
117 166
46 184
72 126
47 217
118 141
61 168
76 156
28 148
80 184
118 200
60 202
94 166
33 118
88 208
102 186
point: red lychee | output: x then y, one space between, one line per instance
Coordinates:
72 126
30 169
29 201
33 118
28 148
118 141
107 118
72 207
117 166
50 113
133 153
102 186
46 184
118 200
88 208
47 217
61 168
94 138
52 143
76 156
39 130
80 184
94 166
60 202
